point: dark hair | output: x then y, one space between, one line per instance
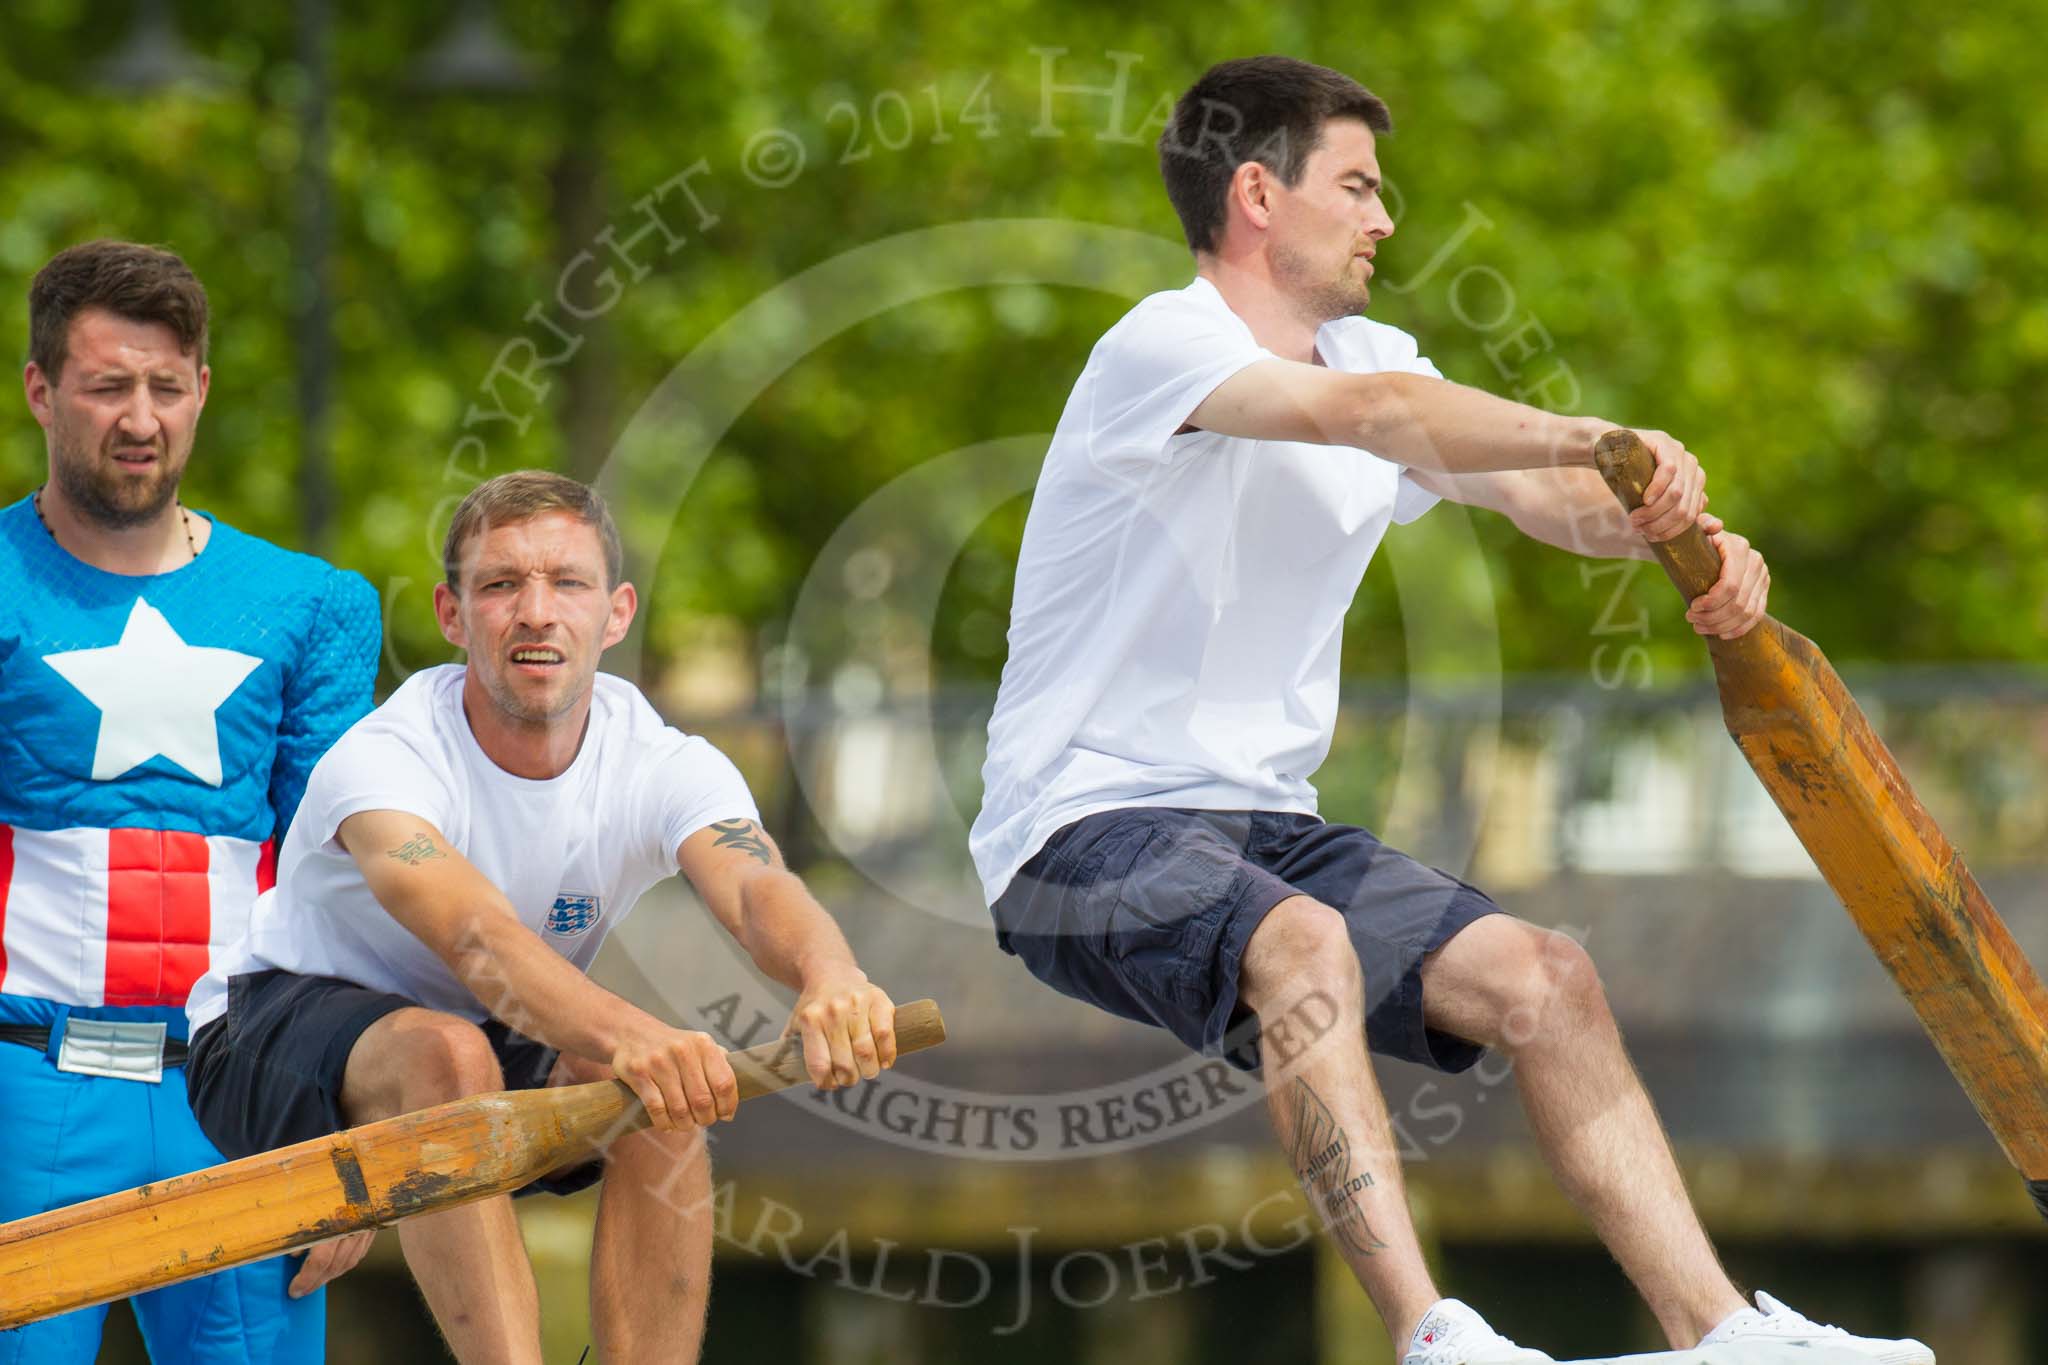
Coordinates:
521 496
1265 109
139 283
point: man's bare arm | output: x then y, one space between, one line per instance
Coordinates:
739 872
847 1022
1569 508
1411 419
1574 510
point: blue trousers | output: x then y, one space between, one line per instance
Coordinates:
69 1137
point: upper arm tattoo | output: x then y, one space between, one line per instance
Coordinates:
745 836
416 850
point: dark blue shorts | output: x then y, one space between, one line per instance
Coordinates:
268 1073
1145 912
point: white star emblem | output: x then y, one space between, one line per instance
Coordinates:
156 695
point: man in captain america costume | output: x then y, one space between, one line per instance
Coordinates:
166 685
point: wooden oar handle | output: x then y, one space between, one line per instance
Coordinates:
780 1064
1689 558
598 1111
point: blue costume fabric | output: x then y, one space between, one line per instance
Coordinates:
156 733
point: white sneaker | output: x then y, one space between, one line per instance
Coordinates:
1773 1321
1452 1334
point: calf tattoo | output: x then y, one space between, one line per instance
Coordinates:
414 851
1322 1157
743 835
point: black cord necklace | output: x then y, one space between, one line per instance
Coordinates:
183 516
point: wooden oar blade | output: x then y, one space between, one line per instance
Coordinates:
1897 874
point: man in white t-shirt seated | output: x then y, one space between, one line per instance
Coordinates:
458 858
1148 838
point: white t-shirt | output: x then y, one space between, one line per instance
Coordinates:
1180 599
572 853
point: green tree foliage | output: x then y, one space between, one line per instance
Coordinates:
1800 236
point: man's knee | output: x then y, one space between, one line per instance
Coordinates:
450 1059
1537 983
1300 949
670 1166
418 1057
1558 977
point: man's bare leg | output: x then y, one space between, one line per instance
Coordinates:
1536 995
1326 1105
650 1259
470 1262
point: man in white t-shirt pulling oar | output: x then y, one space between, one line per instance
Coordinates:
458 858
1226 465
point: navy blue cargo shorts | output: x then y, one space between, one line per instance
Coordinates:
1145 912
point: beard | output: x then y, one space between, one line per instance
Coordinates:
1323 296
106 495
528 712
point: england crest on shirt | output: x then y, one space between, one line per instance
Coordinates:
573 914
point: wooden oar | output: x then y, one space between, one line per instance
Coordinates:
379 1173
1898 876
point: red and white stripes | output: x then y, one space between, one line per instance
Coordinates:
121 916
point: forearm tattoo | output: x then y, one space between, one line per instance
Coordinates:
416 850
1322 1157
743 835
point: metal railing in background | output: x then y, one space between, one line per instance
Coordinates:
1515 786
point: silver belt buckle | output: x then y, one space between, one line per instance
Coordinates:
107 1047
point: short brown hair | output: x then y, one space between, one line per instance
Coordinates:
521 496
1265 109
139 283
